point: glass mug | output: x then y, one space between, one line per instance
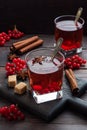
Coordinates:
71 33
45 75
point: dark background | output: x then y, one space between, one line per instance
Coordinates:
37 16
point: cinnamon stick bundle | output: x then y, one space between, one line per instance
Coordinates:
25 42
26 45
31 46
72 80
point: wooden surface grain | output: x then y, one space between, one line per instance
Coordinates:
67 120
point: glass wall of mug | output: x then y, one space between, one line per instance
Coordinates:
45 74
71 32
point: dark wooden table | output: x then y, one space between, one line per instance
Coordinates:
67 120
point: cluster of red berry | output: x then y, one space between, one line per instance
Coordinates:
11 112
15 33
15 66
74 62
3 38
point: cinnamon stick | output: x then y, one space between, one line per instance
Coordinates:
31 46
19 42
25 42
72 73
72 80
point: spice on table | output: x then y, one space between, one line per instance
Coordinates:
22 74
25 42
31 46
28 44
72 80
12 56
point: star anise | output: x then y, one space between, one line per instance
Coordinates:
23 74
38 60
12 56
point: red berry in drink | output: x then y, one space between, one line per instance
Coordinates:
37 87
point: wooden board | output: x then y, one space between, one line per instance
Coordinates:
49 110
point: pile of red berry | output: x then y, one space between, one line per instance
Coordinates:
74 62
11 112
15 66
15 33
3 38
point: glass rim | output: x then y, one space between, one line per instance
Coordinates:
39 49
73 16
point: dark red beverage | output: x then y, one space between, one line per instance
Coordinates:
71 33
47 76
